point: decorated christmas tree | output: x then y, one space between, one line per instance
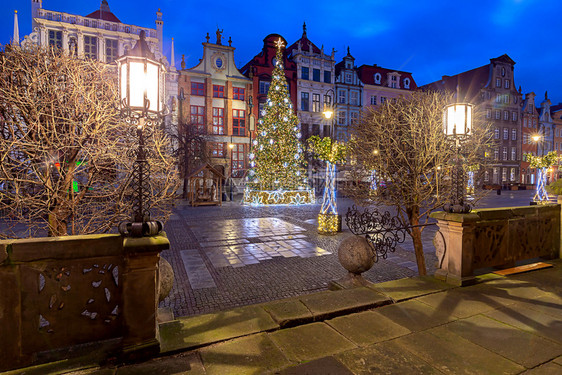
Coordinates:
277 174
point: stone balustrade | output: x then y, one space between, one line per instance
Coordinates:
496 237
61 295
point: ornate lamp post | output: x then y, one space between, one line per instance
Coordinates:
457 125
141 79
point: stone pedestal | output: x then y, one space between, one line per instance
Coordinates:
356 256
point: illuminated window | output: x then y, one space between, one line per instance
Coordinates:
498 98
514 116
111 52
505 133
513 134
327 101
504 153
198 117
315 102
218 120
506 115
512 174
498 115
90 47
55 38
238 160
497 133
217 149
496 154
197 89
513 153
238 122
238 93
486 176
218 91
504 174
304 72
304 101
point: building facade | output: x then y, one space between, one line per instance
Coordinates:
349 96
491 88
530 120
315 85
381 84
215 98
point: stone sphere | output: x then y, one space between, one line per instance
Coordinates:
165 279
355 255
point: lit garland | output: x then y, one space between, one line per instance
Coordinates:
329 222
541 163
277 157
374 181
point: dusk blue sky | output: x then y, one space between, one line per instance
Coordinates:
427 38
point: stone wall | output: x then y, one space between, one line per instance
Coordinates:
94 290
496 237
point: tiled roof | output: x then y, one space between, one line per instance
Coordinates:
103 15
366 74
469 83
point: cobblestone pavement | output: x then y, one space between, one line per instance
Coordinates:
236 255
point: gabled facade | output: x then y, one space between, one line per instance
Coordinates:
315 85
530 119
216 97
259 70
546 130
492 89
381 84
349 96
556 115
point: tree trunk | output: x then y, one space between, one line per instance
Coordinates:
414 219
185 183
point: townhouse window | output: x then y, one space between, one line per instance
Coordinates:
406 83
55 39
513 153
327 76
304 101
496 154
525 122
497 133
498 115
315 102
264 87
198 116
504 153
506 99
524 139
504 174
373 100
498 98
498 82
111 50
506 83
218 120
347 77
327 101
218 91
495 173
354 98
505 133
488 113
512 174
486 176
316 75
90 47
304 72
238 93
393 82
239 122
383 99
506 115
353 118
377 78
342 97
503 72
261 109
342 117
218 149
534 123
513 134
197 89
316 129
238 160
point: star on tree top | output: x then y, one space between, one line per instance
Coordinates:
279 43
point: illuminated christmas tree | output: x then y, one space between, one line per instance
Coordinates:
277 174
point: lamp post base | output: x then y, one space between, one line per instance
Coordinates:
329 223
140 229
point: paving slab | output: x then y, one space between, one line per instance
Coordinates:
403 289
255 354
558 360
452 354
549 279
327 304
519 346
385 358
549 303
196 331
183 364
368 327
324 366
512 287
550 368
461 303
288 313
414 315
310 341
527 319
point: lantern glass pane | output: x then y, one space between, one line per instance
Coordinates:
450 129
137 84
468 119
123 76
460 118
152 76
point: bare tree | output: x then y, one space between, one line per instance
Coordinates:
66 156
403 144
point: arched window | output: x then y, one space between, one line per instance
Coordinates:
377 78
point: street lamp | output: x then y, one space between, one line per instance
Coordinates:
329 110
457 124
140 84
